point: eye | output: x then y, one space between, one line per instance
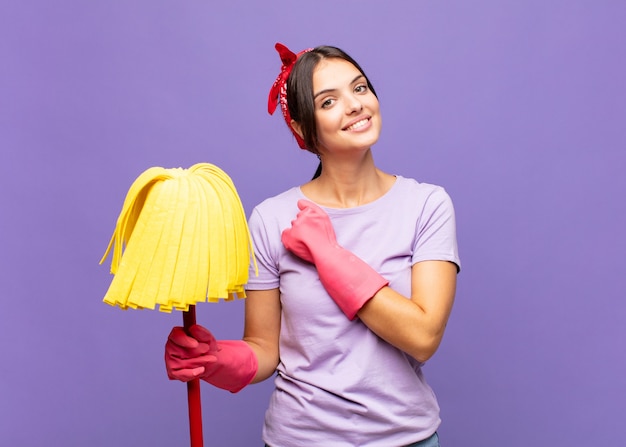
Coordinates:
327 103
361 88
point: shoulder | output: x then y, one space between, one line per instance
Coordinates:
278 210
285 201
423 193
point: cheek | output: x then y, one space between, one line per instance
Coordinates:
374 104
325 125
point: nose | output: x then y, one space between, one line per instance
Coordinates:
353 104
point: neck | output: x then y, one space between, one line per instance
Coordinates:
347 183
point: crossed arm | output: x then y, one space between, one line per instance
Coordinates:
414 324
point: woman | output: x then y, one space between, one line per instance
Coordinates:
357 276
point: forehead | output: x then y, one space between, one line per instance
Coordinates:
333 73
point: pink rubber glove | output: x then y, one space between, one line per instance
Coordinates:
226 364
348 279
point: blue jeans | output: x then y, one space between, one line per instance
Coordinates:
433 441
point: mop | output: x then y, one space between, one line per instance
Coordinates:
180 239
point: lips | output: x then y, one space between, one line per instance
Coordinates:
357 124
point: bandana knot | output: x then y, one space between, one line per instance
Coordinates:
278 92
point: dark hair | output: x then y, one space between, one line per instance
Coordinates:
300 90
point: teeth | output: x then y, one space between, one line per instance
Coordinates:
358 124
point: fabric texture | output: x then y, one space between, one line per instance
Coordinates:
337 383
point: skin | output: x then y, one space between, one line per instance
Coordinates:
414 324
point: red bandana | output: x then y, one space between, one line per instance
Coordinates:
278 92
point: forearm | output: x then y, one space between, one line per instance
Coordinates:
414 324
267 357
402 323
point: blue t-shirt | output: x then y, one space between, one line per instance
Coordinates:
338 383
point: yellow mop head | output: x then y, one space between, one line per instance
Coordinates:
185 240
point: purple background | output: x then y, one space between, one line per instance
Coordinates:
517 108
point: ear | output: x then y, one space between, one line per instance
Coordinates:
296 128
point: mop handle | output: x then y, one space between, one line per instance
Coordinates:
193 391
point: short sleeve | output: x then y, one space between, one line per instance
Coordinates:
268 277
435 238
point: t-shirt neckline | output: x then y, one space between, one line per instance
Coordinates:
355 209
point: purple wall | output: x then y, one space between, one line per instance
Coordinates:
517 108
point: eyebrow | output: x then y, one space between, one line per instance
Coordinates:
333 89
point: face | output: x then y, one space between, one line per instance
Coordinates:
346 111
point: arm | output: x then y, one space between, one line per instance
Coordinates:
262 329
414 325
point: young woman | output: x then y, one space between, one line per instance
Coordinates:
357 277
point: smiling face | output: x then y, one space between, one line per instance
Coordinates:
346 110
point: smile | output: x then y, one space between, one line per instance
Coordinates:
359 124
